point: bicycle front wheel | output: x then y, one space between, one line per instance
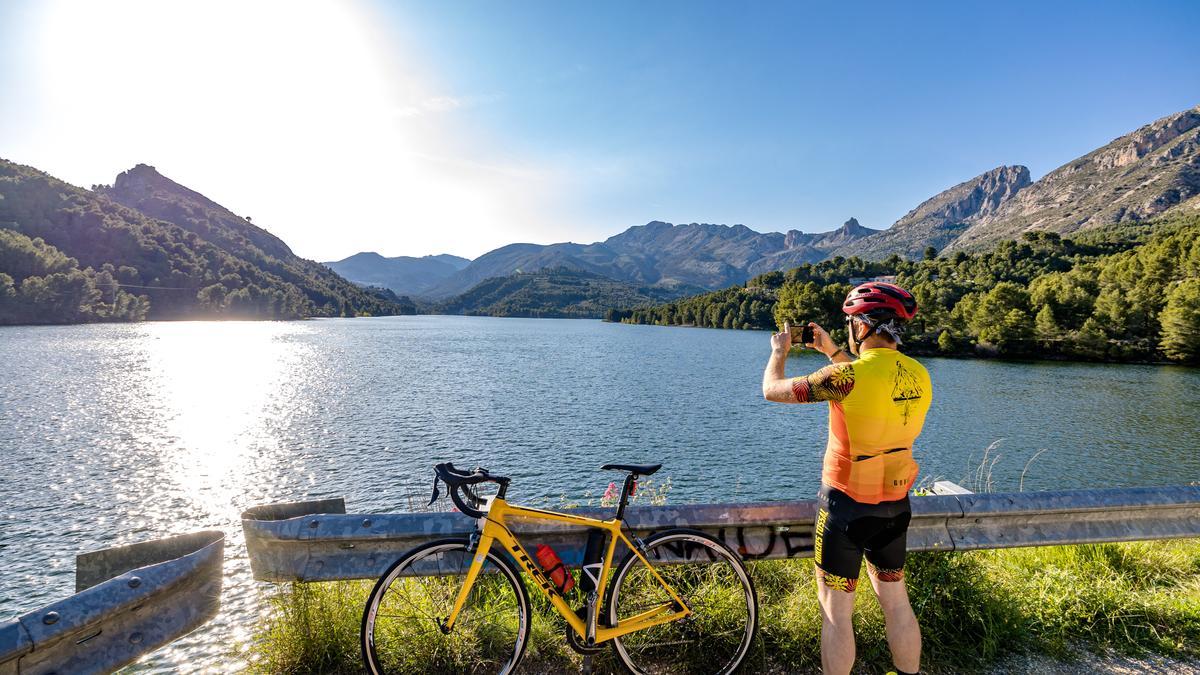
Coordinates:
402 623
711 579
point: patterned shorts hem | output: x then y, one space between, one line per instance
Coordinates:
836 582
884 574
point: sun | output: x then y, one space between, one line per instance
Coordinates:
314 117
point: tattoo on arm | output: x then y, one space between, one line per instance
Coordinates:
831 383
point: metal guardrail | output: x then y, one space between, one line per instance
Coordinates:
319 541
129 601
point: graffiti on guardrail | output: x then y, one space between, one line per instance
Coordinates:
129 601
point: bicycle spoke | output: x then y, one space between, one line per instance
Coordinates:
713 586
406 625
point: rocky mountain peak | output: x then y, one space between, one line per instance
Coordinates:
144 181
140 170
140 179
852 227
981 195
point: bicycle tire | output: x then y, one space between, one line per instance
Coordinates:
725 611
411 639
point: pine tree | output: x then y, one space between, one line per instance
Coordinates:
946 341
1181 322
1044 325
1091 341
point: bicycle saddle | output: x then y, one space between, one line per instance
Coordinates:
636 469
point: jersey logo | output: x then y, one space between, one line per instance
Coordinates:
906 388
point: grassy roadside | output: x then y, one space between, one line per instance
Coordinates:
975 608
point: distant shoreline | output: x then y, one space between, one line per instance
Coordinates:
910 350
921 351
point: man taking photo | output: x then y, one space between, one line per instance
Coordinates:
877 405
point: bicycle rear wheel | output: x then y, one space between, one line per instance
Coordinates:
402 622
712 580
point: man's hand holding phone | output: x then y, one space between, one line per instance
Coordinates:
804 336
810 335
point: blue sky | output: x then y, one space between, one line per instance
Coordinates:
555 121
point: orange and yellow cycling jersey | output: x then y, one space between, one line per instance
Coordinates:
877 406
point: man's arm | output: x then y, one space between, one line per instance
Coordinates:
776 387
831 383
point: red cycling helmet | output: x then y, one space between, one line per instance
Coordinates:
879 297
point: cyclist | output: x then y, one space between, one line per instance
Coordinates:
877 406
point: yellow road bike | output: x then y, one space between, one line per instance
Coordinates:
679 602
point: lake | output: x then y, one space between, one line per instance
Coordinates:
119 433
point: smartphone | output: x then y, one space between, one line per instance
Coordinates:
803 336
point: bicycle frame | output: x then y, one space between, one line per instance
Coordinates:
495 529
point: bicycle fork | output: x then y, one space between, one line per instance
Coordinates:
477 548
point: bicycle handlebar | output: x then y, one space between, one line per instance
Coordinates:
458 484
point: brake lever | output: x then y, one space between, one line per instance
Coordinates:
436 492
473 497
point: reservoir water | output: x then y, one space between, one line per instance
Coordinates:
112 434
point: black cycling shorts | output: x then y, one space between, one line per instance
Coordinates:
847 530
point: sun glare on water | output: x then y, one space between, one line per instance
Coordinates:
218 384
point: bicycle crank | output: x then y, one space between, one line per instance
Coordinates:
576 643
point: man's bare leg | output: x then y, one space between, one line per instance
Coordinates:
903 632
836 596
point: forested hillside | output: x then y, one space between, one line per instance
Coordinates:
1123 293
69 255
550 293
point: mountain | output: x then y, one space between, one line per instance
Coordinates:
676 258
1139 176
1136 177
559 292
800 248
403 274
941 219
147 247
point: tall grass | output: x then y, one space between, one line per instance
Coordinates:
974 608
311 628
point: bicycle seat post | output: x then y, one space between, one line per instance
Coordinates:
635 471
626 489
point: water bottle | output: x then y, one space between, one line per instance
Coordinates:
554 568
